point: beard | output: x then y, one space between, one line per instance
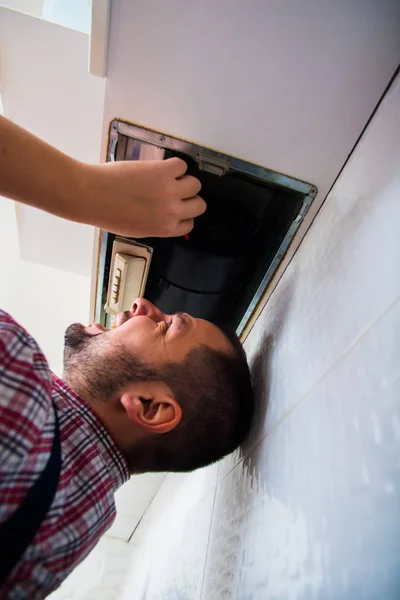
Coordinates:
75 337
96 367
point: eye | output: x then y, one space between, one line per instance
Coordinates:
166 325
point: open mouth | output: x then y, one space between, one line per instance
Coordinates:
95 329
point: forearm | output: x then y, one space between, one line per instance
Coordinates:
132 198
35 173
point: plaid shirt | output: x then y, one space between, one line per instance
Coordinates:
92 466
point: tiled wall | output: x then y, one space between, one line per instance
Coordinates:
311 510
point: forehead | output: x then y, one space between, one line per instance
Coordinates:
210 335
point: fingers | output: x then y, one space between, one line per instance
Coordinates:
184 227
187 189
188 186
176 165
191 208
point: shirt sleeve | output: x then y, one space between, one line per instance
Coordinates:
25 394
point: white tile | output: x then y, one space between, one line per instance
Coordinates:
343 277
134 496
101 576
169 547
312 511
123 527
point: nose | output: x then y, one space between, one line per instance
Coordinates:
143 307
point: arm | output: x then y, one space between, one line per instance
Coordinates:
133 198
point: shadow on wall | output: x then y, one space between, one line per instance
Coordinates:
244 513
261 378
262 374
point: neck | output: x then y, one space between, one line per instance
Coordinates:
129 439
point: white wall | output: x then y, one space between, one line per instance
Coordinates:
131 502
42 299
101 576
288 85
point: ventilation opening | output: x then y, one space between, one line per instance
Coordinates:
222 268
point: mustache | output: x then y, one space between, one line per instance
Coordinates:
126 315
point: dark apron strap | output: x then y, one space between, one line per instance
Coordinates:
20 529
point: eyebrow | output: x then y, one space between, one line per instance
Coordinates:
183 318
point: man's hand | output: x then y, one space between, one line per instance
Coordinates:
132 198
140 198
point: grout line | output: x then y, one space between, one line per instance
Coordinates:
208 543
135 528
345 352
146 509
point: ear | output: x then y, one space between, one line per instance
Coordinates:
152 406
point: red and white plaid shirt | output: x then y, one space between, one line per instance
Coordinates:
92 466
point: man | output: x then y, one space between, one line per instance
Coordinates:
157 393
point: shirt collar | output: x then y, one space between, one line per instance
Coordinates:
112 455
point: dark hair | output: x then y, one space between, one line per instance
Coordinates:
215 393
